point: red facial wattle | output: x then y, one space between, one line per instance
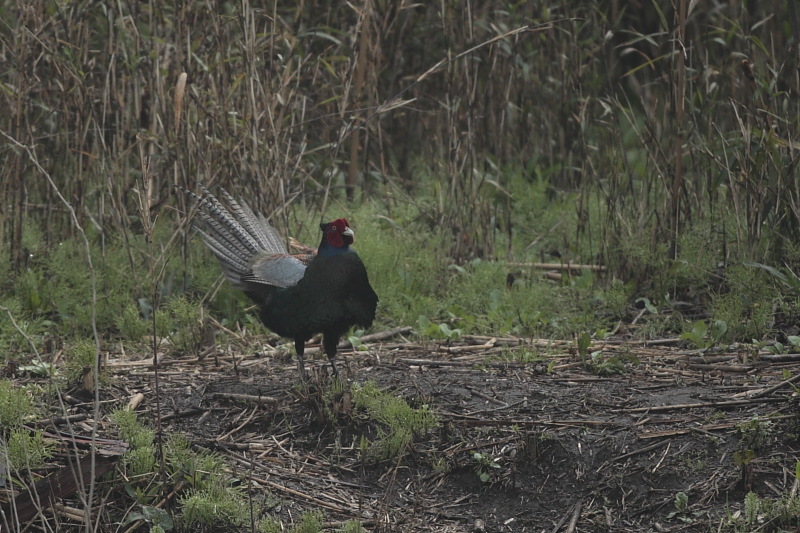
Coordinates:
339 233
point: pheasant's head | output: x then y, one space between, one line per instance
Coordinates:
336 234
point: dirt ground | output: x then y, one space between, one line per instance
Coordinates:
572 451
560 447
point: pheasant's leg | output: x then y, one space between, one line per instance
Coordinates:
330 342
300 348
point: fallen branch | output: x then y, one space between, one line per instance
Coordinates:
299 494
635 452
68 512
135 400
558 266
58 420
575 517
181 414
59 486
383 335
772 389
722 368
528 423
781 358
662 408
244 397
463 364
372 337
706 430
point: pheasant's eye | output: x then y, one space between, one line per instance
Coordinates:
333 228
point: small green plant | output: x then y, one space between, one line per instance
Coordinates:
754 433
743 457
697 335
310 522
270 525
213 499
31 290
751 507
28 449
520 355
784 276
501 315
221 504
582 343
485 463
186 320
15 405
780 349
352 526
747 310
131 325
437 331
140 458
603 333
158 519
440 465
681 511
194 467
398 422
682 503
617 296
355 340
780 513
11 340
648 305
81 355
602 365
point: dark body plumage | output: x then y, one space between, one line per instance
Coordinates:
298 295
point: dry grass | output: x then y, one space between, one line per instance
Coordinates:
293 103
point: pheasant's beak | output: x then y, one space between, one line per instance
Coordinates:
347 231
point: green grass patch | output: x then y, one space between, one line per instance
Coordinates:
397 422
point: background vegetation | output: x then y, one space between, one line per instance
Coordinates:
657 143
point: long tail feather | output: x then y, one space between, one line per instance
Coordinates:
240 239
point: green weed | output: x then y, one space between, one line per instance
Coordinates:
607 365
219 504
28 449
702 338
131 325
310 522
755 433
779 513
485 463
80 355
187 326
747 308
140 458
16 405
352 526
12 341
398 422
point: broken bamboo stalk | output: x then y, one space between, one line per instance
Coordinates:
557 266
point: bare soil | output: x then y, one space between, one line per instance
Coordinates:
573 451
